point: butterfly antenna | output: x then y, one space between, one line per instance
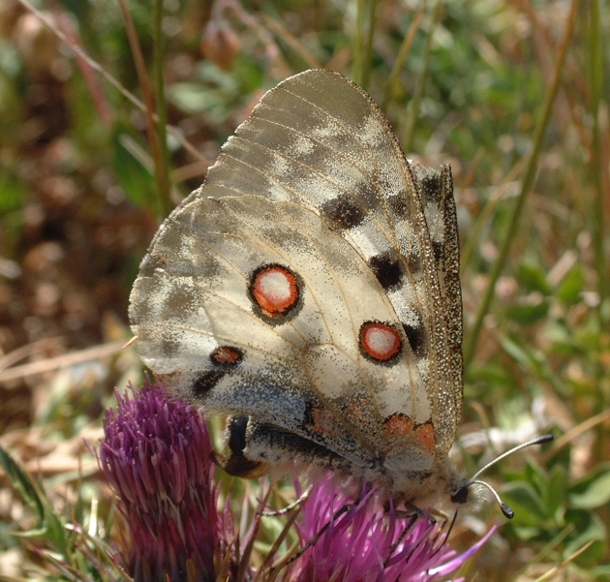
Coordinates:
461 495
505 509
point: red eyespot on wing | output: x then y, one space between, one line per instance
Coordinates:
323 422
227 356
380 341
274 290
424 434
399 424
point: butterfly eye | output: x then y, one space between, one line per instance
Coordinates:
461 495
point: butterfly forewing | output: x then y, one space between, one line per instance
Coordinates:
312 284
320 141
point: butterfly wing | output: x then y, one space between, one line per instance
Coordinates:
202 332
311 283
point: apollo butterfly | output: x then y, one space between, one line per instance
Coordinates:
310 290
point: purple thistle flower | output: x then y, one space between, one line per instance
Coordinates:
356 546
156 455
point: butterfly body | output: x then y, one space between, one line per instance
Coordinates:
309 290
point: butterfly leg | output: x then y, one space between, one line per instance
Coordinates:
301 499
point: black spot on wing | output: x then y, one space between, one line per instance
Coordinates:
438 249
343 211
388 269
431 187
416 334
206 382
413 263
398 205
224 359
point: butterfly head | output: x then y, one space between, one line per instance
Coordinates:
471 489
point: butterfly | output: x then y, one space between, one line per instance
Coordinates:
310 291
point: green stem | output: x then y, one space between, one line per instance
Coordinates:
413 111
358 43
160 105
597 172
596 80
368 47
526 186
405 48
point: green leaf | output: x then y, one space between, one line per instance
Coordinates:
490 372
12 194
589 528
24 485
197 98
556 490
213 94
528 314
533 278
571 286
49 523
78 7
136 180
526 502
518 352
591 491
600 572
